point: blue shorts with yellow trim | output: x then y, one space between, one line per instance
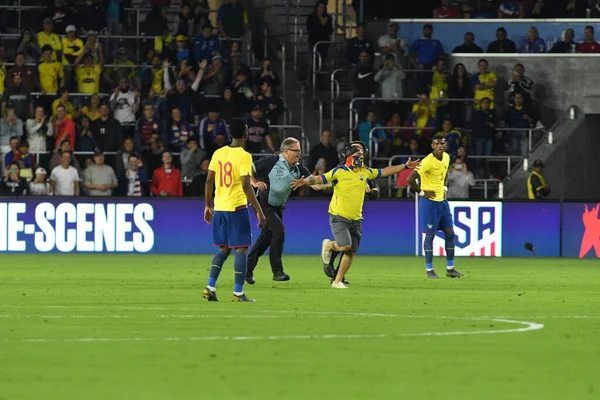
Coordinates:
434 215
232 228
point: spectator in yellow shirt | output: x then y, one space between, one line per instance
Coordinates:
72 46
88 74
65 101
484 84
423 116
439 91
48 37
113 75
51 74
92 111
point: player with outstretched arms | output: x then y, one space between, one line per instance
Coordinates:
434 210
345 209
230 171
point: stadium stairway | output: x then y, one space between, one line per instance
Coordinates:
567 157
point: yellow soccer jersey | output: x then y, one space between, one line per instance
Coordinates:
432 174
349 190
73 49
229 165
489 93
2 78
52 39
88 79
69 109
50 74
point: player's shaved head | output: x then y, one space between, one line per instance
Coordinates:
238 128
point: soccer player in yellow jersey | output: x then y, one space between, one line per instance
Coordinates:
434 211
230 170
345 210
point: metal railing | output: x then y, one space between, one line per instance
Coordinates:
317 61
305 143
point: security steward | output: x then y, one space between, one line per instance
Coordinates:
273 176
536 184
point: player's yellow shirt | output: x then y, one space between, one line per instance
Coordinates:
71 48
229 165
88 78
52 39
489 93
432 174
50 73
69 109
349 190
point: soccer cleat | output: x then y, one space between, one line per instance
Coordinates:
209 295
281 276
452 273
250 278
242 298
329 271
339 285
344 281
431 274
325 254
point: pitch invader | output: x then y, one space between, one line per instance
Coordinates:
230 170
434 210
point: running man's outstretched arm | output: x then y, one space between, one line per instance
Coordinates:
310 181
394 169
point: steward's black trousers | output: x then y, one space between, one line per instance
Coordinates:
273 236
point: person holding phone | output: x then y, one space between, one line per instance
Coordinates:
459 179
13 184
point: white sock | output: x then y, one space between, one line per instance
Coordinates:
238 293
214 289
449 267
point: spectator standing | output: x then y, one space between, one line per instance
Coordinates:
191 157
502 44
94 46
51 74
85 138
205 45
215 77
364 131
64 179
145 126
58 14
100 179
425 52
65 101
446 10
244 95
38 186
11 126
460 179
439 91
267 74
399 138
10 150
589 45
185 21
125 68
107 131
233 23
27 73
178 131
88 75
519 83
47 37
483 127
152 78
259 137
133 181
25 159
181 51
227 107
56 159
390 78
357 45
423 117
320 27
484 84
533 43
209 128
454 138
363 82
184 98
64 127
92 110
124 104
468 45
390 43
460 88
19 96
519 117
13 184
29 49
270 102
72 47
122 156
39 129
568 45
166 180
537 188
324 150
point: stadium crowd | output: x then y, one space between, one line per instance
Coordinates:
158 119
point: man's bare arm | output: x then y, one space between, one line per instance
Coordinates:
209 187
412 182
251 196
392 170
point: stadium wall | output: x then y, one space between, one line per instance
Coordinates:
169 226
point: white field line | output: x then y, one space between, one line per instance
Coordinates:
525 327
134 316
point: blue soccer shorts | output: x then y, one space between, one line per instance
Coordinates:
434 215
232 228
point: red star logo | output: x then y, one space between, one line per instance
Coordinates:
591 236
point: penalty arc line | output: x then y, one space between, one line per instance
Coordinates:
526 327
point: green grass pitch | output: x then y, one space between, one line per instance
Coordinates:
135 327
